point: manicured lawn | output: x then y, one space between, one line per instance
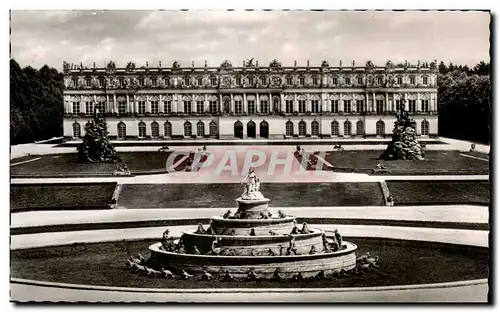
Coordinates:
223 195
401 263
60 196
67 163
436 162
439 192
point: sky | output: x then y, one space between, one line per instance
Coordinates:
51 37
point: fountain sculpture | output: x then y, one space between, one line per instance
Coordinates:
254 243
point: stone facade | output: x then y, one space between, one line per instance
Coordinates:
251 101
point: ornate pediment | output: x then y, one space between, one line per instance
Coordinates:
275 64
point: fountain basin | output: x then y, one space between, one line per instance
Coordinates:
245 245
252 208
264 266
223 226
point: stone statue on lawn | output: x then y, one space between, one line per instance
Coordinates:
404 144
96 146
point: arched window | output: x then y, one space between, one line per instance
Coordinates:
155 129
380 128
167 128
77 130
347 128
142 130
315 128
200 129
289 128
302 128
335 128
188 131
424 127
214 132
360 128
122 131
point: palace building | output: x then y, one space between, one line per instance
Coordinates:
251 101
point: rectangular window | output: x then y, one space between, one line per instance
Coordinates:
397 107
238 107
425 105
424 80
302 106
315 106
122 82
335 106
88 82
302 81
141 105
315 81
380 106
263 80
250 81
187 82
122 107
335 81
412 80
347 106
154 107
199 106
380 80
141 82
412 105
251 107
101 106
289 106
187 107
76 107
75 82
89 108
214 108
213 81
167 82
153 82
100 82
167 107
238 80
289 81
264 107
399 80
360 80
347 81
360 105
199 82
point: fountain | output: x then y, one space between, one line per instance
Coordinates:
254 243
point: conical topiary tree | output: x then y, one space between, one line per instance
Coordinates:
96 146
404 144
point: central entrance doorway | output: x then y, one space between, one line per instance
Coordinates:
264 129
238 130
251 133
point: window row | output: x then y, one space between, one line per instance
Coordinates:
213 81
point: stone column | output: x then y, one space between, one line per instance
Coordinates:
295 103
406 100
257 105
282 102
323 103
308 102
206 105
148 103
115 104
82 106
419 103
231 106
245 108
374 103
161 105
135 104
354 104
341 102
367 107
128 103
387 102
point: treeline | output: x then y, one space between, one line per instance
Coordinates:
36 103
464 97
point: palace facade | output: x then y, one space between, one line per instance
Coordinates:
251 101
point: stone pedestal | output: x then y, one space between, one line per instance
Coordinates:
252 208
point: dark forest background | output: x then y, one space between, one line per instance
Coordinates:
464 100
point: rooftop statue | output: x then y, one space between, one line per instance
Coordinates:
252 185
